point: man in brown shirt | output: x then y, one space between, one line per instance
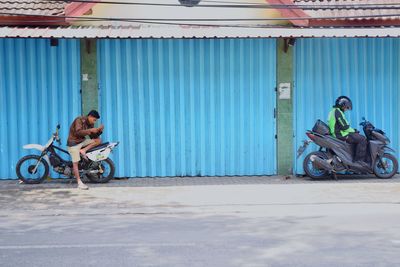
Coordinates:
78 144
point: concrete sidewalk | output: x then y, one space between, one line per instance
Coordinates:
193 181
223 194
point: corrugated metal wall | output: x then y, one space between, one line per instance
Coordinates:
366 70
39 87
189 107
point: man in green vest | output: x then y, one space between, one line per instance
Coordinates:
340 128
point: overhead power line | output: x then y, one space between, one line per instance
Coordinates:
243 26
378 6
247 26
61 19
206 19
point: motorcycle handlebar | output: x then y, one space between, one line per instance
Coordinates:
56 136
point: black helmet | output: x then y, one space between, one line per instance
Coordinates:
344 102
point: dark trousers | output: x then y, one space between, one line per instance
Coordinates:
361 145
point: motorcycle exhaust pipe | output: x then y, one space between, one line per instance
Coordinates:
321 163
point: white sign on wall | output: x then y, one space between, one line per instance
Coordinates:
284 91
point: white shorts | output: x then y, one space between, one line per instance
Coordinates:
74 151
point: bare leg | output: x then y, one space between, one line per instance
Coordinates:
81 185
76 172
86 148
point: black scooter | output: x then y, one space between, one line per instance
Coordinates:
336 156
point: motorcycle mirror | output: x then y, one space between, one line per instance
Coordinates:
58 126
363 118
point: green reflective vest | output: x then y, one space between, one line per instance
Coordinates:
337 123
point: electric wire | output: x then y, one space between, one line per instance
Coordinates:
208 19
178 21
149 22
243 26
376 6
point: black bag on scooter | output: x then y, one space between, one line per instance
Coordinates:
321 128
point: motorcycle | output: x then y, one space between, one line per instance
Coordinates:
98 167
336 156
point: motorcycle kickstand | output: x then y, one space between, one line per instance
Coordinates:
334 176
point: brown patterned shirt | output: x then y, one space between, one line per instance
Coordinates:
78 130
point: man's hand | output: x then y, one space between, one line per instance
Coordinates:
97 130
94 130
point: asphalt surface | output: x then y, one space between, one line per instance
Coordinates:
228 221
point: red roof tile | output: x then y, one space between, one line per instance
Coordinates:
351 10
32 7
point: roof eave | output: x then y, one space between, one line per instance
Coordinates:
84 32
354 23
32 21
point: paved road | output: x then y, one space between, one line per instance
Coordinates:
286 223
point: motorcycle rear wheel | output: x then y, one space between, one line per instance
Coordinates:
108 167
390 168
310 170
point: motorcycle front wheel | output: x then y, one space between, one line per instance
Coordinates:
386 166
312 171
106 168
32 169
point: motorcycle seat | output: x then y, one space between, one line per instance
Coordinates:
344 143
336 139
99 147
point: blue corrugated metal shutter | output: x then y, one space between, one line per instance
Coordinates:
189 107
366 70
39 87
